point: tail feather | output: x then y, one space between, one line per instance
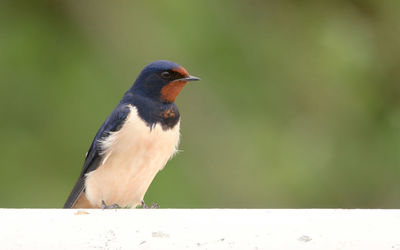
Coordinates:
75 194
83 202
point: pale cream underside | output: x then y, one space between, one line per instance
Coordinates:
132 158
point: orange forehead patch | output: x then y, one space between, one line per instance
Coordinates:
170 91
181 71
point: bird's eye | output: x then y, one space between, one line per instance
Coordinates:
165 75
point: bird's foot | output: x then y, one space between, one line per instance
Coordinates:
153 205
104 205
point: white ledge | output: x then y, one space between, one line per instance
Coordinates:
199 229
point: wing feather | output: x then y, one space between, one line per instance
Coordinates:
113 123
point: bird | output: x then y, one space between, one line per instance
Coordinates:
135 141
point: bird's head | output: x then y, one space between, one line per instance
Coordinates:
162 81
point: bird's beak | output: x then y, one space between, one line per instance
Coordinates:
188 79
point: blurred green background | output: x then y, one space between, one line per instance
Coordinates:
298 107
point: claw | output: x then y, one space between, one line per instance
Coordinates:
153 205
104 206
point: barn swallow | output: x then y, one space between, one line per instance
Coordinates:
135 142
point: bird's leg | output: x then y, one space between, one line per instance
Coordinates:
153 205
143 204
104 206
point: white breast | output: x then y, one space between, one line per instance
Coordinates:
132 157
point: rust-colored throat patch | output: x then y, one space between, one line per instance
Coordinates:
170 91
